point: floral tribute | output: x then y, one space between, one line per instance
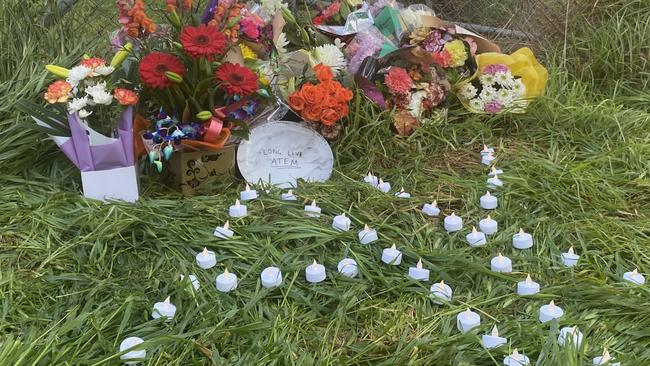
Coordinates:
448 51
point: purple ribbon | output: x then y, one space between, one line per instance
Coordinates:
208 13
117 154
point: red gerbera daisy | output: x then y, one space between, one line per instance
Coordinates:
236 79
204 40
153 67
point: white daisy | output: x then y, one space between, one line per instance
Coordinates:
505 97
77 104
486 79
504 79
468 91
477 104
76 74
331 56
487 94
519 88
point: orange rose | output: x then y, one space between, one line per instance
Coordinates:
296 101
343 95
331 86
323 72
312 94
329 116
342 109
311 113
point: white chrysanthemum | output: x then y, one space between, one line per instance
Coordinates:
468 91
272 7
487 94
103 97
77 104
476 104
505 97
96 88
415 104
76 74
281 45
486 79
84 113
519 88
331 56
504 79
338 43
104 70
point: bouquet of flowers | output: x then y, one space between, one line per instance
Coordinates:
321 101
503 83
403 83
453 54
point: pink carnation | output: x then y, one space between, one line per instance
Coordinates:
442 58
493 107
251 26
398 80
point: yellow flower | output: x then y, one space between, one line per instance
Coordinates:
457 51
522 64
247 52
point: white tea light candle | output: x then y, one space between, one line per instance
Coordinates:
487 150
341 222
418 273
367 235
634 277
402 194
570 335
371 179
248 194
467 320
550 312
453 223
315 272
487 159
226 281
476 238
348 267
132 357
494 171
501 264
493 340
391 256
488 201
164 309
431 209
206 259
494 182
271 277
522 240
488 226
237 210
605 359
289 196
570 258
441 291
383 186
312 210
224 232
527 287
516 359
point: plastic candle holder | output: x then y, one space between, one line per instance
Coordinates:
516 359
391 256
494 182
402 194
501 264
312 210
570 335
488 226
289 196
226 281
487 150
550 312
271 277
348 267
570 258
419 273
467 320
248 194
431 209
135 356
453 223
527 287
367 235
224 232
476 238
488 201
634 277
441 292
383 186
315 272
522 240
206 259
238 210
487 159
605 359
371 179
493 340
164 309
494 171
341 222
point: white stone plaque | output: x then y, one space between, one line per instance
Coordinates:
280 152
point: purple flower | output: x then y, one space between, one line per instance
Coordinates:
494 68
436 40
493 107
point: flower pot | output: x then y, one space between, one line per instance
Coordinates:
193 170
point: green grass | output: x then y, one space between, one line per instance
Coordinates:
77 276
